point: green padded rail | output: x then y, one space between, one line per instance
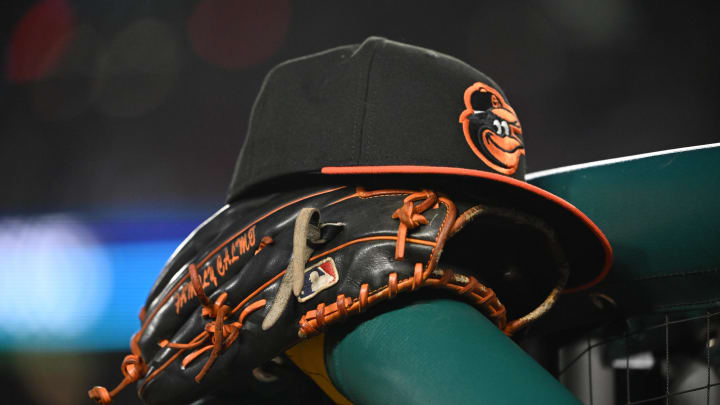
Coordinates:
661 213
437 352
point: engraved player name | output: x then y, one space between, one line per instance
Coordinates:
217 266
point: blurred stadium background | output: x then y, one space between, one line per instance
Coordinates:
120 123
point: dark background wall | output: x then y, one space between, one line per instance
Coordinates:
143 105
137 102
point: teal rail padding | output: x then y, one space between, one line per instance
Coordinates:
661 213
437 352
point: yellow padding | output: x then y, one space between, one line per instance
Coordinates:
309 356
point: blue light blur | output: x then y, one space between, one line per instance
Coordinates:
74 283
134 267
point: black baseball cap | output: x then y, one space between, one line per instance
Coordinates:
384 108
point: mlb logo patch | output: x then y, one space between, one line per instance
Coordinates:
317 278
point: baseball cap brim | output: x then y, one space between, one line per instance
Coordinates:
588 249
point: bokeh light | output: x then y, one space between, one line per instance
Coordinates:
595 22
77 282
39 40
50 378
236 34
515 43
55 277
137 70
67 90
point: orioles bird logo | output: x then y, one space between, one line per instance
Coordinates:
493 133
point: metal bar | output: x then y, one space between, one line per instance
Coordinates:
627 368
590 380
667 359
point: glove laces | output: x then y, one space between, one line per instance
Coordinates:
221 334
410 217
133 368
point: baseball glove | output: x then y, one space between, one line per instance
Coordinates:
262 274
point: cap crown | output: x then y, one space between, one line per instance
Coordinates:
379 103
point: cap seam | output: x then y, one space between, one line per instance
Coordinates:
364 106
